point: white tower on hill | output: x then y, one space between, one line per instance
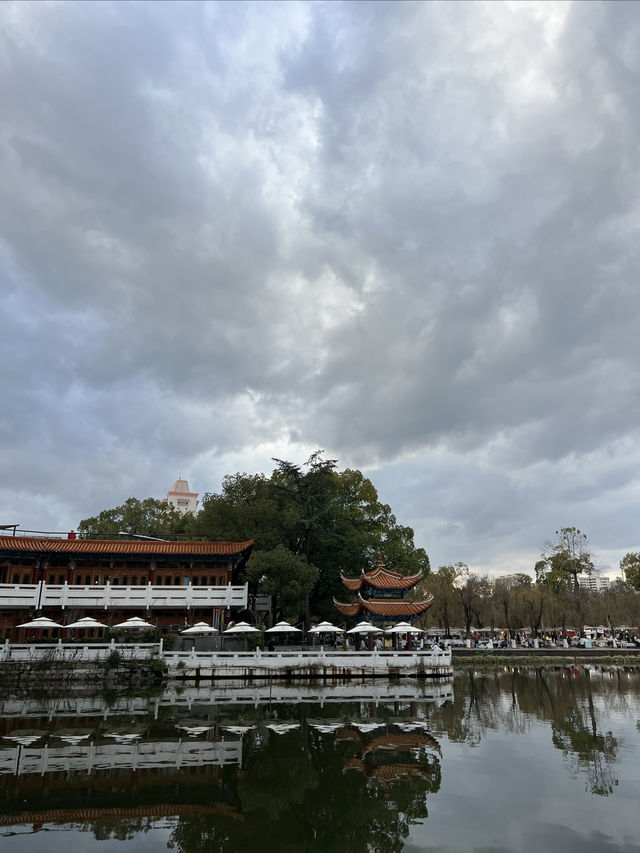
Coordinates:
180 498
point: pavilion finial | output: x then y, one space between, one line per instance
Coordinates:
380 559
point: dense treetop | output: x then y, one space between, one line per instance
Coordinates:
309 523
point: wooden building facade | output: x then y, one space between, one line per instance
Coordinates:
67 579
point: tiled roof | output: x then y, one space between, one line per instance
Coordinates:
402 741
89 814
390 608
347 609
119 546
393 608
387 774
381 578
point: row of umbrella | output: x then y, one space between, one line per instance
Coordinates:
136 622
86 622
322 628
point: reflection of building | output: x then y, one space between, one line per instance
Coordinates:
394 756
180 498
141 756
110 579
381 595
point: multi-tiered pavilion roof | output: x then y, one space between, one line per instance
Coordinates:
380 595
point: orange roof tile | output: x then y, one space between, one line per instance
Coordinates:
390 608
393 607
402 741
120 546
381 578
346 609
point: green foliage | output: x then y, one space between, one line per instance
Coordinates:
564 560
309 522
148 517
157 666
329 520
630 565
114 659
474 592
446 610
287 577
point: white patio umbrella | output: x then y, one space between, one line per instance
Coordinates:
282 728
124 737
242 628
366 726
25 737
40 622
325 628
86 622
200 628
365 628
238 729
73 736
134 622
403 628
283 628
326 726
193 729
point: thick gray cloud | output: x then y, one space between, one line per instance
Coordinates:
403 232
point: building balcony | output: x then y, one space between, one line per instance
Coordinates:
42 595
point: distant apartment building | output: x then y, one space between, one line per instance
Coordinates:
596 582
180 498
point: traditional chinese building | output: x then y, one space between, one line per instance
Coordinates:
380 596
167 583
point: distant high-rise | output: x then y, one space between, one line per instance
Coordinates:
180 498
596 582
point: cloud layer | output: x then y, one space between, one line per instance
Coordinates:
407 233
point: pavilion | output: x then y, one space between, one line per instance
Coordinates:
380 596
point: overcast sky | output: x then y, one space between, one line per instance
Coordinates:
407 233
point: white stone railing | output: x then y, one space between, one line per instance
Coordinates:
108 596
77 652
233 662
374 661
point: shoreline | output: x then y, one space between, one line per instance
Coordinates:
464 658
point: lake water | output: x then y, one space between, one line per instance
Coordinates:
528 760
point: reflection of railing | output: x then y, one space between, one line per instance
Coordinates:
20 759
108 595
228 693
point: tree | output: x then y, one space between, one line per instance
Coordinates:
474 592
566 558
446 609
286 577
333 521
246 508
630 565
148 517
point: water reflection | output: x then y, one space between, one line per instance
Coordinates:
349 766
576 703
